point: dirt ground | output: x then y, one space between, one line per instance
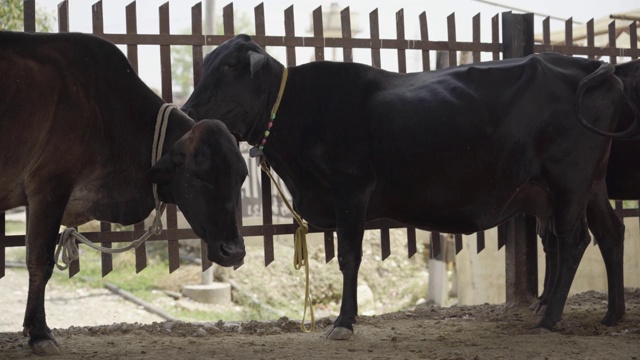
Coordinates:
459 332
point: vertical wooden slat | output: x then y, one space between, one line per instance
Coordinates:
267 218
458 242
318 32
260 23
503 230
198 59
289 31
521 249
204 258
173 245
132 28
591 37
3 257
612 42
436 245
132 54
424 36
267 213
63 17
345 22
476 36
227 19
29 16
385 243
568 32
633 37
329 246
412 247
3 230
107 259
495 35
546 30
74 266
165 55
480 241
451 34
374 28
141 251
97 17
402 53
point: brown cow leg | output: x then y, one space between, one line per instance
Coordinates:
42 234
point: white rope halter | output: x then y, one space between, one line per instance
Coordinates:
68 245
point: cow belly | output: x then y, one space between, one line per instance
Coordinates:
453 209
125 205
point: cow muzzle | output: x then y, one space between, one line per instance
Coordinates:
227 254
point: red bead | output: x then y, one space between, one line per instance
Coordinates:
269 125
264 141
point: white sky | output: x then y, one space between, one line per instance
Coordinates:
436 10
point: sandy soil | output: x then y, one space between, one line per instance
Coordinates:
476 332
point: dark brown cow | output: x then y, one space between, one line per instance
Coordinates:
458 150
76 133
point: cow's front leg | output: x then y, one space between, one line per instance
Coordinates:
350 217
42 235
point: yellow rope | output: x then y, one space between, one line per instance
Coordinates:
301 255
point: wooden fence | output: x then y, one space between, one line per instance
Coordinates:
517 40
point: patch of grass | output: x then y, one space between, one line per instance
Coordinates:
14 227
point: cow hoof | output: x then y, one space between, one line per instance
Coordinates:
535 305
611 319
540 309
338 333
45 348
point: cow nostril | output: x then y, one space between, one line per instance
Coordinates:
231 251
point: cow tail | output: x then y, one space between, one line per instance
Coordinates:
603 72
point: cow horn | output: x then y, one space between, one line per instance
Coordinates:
257 60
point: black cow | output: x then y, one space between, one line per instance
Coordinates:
77 127
458 150
623 183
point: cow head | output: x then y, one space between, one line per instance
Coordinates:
202 174
239 85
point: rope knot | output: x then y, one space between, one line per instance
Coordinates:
69 248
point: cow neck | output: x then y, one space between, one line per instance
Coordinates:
256 151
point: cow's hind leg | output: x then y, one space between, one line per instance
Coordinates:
609 233
550 247
570 250
42 233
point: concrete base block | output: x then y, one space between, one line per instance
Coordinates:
214 293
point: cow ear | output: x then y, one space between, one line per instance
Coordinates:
256 61
164 171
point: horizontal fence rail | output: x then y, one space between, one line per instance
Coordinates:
456 51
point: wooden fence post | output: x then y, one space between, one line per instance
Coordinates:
521 257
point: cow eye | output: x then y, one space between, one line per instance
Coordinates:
231 65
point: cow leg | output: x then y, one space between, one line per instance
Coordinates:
350 216
42 234
609 233
570 250
550 247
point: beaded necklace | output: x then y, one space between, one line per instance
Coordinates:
256 151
